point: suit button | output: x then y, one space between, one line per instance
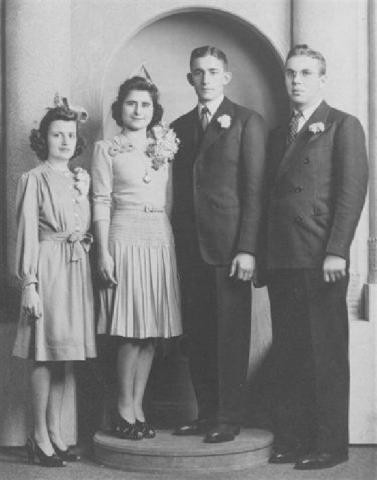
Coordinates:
306 160
299 219
298 189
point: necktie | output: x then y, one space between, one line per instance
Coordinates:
293 127
204 118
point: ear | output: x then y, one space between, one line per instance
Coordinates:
227 77
189 79
323 80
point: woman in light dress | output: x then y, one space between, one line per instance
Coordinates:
57 320
136 258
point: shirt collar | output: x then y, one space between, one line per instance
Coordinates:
212 106
308 112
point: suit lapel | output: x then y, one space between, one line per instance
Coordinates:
303 138
214 129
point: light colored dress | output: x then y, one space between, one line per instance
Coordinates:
52 251
146 301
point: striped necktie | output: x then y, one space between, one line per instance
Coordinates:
293 127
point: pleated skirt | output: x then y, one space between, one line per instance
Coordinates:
145 303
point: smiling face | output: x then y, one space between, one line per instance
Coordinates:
208 76
304 81
137 110
61 140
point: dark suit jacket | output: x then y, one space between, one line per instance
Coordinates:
316 190
217 183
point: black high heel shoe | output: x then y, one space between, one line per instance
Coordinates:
126 430
66 455
35 452
146 430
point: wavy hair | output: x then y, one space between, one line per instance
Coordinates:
141 84
38 137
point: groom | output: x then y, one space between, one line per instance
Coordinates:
217 183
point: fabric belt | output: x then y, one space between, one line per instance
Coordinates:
147 208
79 242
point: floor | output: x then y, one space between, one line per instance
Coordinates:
362 465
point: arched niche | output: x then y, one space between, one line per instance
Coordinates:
165 46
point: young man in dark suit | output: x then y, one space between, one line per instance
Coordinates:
217 184
317 182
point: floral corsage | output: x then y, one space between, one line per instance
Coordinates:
162 146
317 127
81 180
225 121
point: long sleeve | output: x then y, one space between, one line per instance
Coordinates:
253 155
27 246
102 181
351 179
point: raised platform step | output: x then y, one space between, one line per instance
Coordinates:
168 453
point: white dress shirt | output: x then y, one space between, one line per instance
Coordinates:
307 113
212 106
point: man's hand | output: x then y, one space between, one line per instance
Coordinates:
334 268
243 265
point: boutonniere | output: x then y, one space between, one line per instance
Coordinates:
81 181
317 127
225 121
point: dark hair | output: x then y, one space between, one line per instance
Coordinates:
206 51
38 137
141 84
304 50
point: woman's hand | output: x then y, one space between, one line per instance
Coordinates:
106 269
30 302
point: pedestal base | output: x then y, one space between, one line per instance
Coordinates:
169 454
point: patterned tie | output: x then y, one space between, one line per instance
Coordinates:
293 127
204 118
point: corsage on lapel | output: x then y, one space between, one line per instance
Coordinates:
317 127
224 121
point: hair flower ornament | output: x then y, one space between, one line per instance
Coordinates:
162 145
81 181
225 121
62 102
317 127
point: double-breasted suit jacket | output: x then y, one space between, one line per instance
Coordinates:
217 201
316 188
316 191
218 182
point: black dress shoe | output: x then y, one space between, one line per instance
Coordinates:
283 455
197 427
316 461
66 455
222 433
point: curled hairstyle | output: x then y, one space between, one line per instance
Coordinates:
141 84
304 50
206 51
38 137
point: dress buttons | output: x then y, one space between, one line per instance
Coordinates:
298 219
298 189
306 160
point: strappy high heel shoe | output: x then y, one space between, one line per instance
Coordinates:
35 452
146 430
66 455
126 430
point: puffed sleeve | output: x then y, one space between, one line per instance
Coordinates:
102 181
27 215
